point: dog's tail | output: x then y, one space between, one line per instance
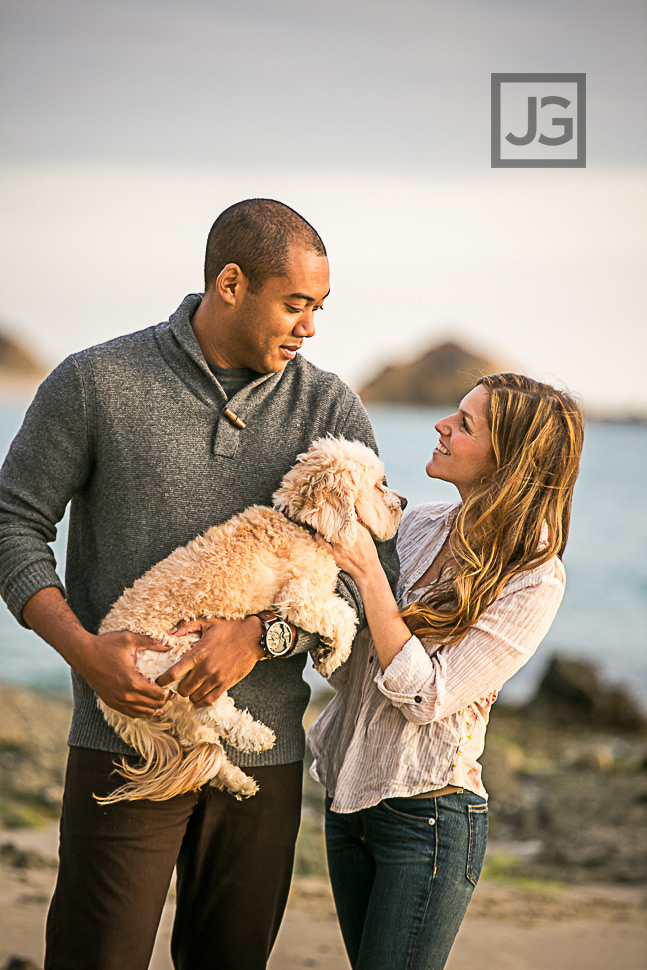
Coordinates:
159 782
167 768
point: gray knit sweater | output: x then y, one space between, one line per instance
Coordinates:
131 433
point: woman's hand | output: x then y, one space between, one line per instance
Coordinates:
359 560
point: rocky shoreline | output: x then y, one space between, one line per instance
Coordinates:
33 733
567 777
567 780
566 773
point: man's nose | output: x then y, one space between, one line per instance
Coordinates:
306 325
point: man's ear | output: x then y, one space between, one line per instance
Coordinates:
231 284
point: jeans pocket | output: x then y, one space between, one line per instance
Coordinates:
422 811
477 817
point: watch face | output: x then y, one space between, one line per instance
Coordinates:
278 638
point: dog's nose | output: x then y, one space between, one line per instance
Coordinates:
403 502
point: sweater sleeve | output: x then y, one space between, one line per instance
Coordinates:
48 462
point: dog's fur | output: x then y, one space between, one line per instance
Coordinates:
260 559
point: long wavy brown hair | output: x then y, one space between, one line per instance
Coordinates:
517 518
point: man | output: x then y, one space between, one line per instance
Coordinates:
153 437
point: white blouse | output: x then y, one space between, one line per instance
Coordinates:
420 724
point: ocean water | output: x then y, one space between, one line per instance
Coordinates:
603 617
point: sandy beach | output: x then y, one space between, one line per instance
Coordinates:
588 927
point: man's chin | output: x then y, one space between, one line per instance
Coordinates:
275 367
272 365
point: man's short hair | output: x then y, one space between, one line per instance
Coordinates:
257 234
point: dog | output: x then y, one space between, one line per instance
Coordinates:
264 558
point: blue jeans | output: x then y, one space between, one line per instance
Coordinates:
402 874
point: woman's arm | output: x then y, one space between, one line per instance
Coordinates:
429 688
362 563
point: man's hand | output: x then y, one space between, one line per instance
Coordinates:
108 665
107 662
225 653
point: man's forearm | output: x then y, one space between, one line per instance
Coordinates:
48 615
107 662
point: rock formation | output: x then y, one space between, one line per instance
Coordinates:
17 363
571 691
442 375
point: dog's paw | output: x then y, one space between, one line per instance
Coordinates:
327 659
257 737
237 727
232 779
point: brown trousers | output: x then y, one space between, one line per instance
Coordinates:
234 865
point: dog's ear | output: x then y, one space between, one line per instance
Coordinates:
294 493
334 513
320 493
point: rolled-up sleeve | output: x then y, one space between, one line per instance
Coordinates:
429 684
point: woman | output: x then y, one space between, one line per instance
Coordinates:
397 748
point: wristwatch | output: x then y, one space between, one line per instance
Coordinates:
276 637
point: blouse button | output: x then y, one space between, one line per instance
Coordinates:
418 699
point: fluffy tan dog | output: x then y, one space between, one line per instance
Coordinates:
255 561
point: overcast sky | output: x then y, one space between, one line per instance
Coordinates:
127 126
